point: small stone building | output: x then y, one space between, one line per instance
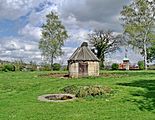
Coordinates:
83 62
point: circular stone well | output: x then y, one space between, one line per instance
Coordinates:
56 97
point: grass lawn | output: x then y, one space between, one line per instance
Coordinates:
134 97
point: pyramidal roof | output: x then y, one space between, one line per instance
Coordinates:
83 53
125 59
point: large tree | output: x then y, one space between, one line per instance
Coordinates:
53 36
104 42
138 20
151 53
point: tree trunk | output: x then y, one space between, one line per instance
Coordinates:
102 63
51 63
145 52
145 49
145 57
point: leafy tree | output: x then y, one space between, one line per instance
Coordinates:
151 53
138 20
53 36
141 65
56 66
115 66
104 42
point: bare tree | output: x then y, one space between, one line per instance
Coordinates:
104 42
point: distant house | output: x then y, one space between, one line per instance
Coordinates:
83 62
125 65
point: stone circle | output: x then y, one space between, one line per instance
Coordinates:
56 97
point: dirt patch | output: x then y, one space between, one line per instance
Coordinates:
56 97
55 75
63 75
110 75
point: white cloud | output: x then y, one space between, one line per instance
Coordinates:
39 17
79 17
94 14
25 45
31 32
13 9
17 48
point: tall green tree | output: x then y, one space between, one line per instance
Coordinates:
151 53
104 42
138 21
53 36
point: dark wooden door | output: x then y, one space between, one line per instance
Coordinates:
83 69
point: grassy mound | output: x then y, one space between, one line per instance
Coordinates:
91 90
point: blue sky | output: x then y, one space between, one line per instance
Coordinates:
20 22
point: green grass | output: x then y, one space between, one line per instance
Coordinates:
134 98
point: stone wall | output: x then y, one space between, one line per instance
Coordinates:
73 69
93 68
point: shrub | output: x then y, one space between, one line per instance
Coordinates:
56 66
65 68
101 67
45 67
114 66
93 91
1 67
84 91
151 67
31 68
19 65
70 89
141 65
8 67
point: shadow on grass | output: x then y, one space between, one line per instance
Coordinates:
135 73
145 99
